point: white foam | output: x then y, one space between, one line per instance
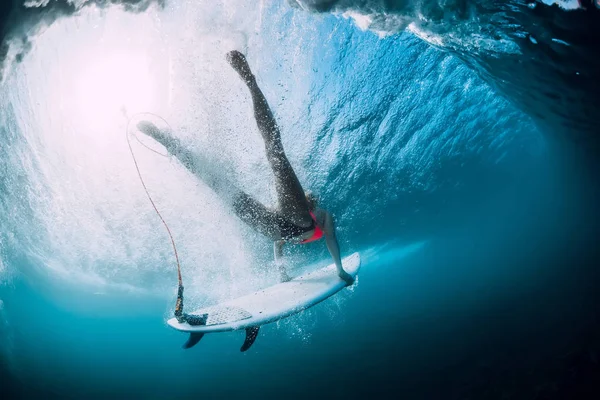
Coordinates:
95 225
567 5
361 20
100 228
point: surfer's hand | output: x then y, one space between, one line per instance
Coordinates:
346 277
284 277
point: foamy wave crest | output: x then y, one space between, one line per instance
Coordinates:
21 21
541 54
455 24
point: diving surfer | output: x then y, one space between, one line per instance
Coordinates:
298 219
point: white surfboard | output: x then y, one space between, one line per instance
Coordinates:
267 305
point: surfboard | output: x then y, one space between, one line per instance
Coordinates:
279 301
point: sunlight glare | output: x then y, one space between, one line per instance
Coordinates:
112 84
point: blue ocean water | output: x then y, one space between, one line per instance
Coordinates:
465 181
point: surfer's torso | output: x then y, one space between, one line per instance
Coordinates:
294 233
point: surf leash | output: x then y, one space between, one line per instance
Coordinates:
179 314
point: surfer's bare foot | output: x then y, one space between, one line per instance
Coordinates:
162 137
346 277
150 129
239 63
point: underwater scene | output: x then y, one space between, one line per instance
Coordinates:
237 147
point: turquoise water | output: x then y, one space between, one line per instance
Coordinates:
475 217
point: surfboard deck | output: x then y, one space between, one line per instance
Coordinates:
268 305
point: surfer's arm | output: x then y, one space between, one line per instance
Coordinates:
278 250
278 253
334 248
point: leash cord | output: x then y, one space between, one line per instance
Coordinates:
179 304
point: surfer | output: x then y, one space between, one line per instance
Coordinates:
298 219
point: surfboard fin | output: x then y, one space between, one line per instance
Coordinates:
251 334
193 339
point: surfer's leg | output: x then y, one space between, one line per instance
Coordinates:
249 210
161 137
197 164
257 216
292 200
